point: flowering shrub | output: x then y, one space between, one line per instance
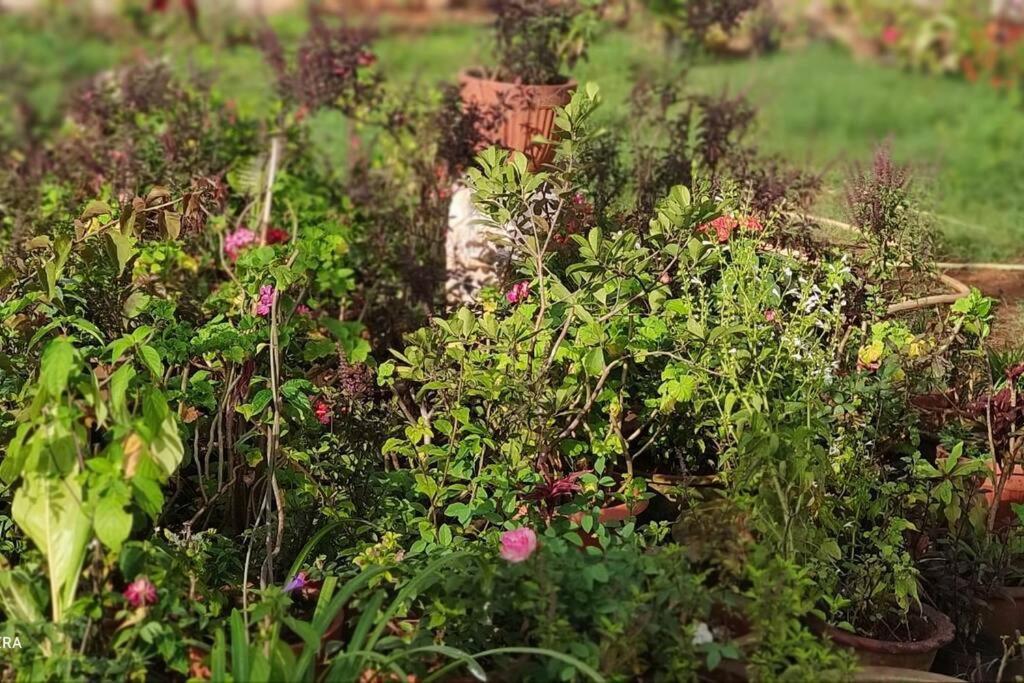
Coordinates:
693 345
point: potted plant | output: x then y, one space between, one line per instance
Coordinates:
931 630
1004 614
515 102
995 417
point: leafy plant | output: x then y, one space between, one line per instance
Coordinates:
537 40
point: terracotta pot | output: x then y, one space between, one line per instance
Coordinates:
616 513
918 655
886 674
607 515
512 115
1012 493
1006 614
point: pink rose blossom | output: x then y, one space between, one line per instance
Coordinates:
518 545
519 292
891 35
237 241
266 301
140 592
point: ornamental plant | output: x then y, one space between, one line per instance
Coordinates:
692 343
537 41
187 359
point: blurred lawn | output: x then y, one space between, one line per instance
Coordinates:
819 109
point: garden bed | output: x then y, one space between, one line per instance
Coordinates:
672 427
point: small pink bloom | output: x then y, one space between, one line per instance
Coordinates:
891 35
140 592
518 545
770 315
266 300
237 241
753 224
303 309
366 58
519 292
322 411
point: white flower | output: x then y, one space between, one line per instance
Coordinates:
702 634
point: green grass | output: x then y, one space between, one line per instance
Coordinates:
818 108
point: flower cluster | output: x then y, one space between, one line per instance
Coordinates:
322 411
519 292
266 301
724 226
140 592
237 241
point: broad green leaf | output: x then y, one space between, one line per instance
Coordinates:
50 513
151 359
57 362
594 362
124 249
166 448
113 523
119 382
18 598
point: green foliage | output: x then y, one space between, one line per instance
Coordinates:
202 476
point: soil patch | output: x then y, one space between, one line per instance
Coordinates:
1008 287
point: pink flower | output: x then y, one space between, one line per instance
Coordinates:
770 315
519 293
891 35
518 545
303 309
322 411
753 224
266 301
140 592
366 58
237 241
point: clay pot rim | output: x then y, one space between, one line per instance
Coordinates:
942 635
1007 593
475 73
